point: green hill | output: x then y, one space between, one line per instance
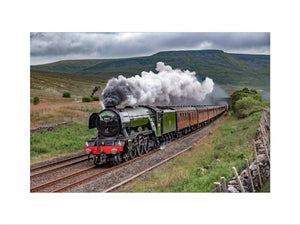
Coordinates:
231 71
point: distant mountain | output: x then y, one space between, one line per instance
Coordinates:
224 68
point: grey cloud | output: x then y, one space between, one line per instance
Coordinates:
47 47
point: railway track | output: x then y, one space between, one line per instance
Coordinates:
56 163
66 182
54 166
79 177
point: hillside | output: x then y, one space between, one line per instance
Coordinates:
231 71
45 84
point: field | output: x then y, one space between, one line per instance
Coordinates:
54 109
65 110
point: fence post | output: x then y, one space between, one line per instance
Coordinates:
223 182
217 186
257 165
238 179
249 175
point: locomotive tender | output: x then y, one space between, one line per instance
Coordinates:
124 133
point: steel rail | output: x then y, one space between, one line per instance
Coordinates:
55 163
58 168
61 179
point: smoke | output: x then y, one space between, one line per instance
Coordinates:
167 87
217 97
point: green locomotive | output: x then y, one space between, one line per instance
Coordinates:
124 133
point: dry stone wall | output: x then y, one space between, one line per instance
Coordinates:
260 168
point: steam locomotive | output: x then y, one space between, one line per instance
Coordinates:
125 133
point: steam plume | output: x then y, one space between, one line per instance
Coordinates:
168 86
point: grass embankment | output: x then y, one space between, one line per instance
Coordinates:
60 141
210 159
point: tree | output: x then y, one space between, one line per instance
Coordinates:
36 100
95 89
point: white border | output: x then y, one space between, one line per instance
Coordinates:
18 18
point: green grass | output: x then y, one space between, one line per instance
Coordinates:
55 84
61 140
266 186
198 169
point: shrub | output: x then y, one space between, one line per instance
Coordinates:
95 98
66 95
238 95
36 100
86 99
246 106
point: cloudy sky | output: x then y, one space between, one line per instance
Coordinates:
51 47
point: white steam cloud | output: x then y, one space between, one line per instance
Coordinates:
167 87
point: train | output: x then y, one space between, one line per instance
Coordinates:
125 133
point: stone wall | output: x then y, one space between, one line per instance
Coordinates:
260 167
48 128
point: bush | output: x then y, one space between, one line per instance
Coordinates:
66 95
95 98
36 100
245 102
86 99
246 106
238 95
